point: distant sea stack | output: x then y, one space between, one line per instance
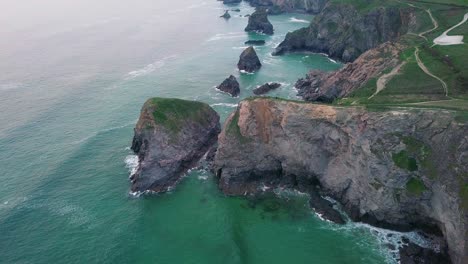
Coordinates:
171 136
258 22
226 15
230 86
249 61
267 87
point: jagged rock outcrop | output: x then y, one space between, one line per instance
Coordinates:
414 254
399 169
226 15
309 6
248 61
344 33
171 136
255 42
230 86
328 86
258 22
263 89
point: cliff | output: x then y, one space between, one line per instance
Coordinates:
328 86
278 6
400 169
171 136
344 32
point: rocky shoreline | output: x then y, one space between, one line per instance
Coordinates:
396 169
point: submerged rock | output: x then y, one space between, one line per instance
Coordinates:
258 22
171 136
248 61
255 42
398 169
235 10
266 88
226 15
230 86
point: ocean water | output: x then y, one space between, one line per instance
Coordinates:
73 76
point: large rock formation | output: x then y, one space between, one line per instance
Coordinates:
230 86
170 137
328 86
258 22
263 89
309 6
248 61
400 169
344 33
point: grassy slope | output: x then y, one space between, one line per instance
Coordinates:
412 85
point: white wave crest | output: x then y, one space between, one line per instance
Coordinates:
131 163
149 68
224 104
296 20
230 35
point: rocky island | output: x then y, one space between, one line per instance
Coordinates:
249 61
230 86
267 87
258 22
171 136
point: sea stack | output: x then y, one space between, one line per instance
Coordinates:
249 61
266 88
171 136
226 15
258 22
230 86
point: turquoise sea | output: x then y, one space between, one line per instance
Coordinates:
73 76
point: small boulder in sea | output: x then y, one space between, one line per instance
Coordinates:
226 15
255 42
230 86
266 88
248 61
235 10
258 22
171 136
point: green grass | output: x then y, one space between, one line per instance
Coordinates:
173 113
404 161
234 129
464 195
415 186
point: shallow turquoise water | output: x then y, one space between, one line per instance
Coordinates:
71 87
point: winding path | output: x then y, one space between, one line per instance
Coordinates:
451 40
384 79
424 68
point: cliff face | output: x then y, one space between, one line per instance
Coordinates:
309 6
400 169
344 33
170 137
328 86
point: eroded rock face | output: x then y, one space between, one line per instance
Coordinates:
267 87
400 169
248 61
344 33
328 86
230 86
171 136
258 22
309 6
